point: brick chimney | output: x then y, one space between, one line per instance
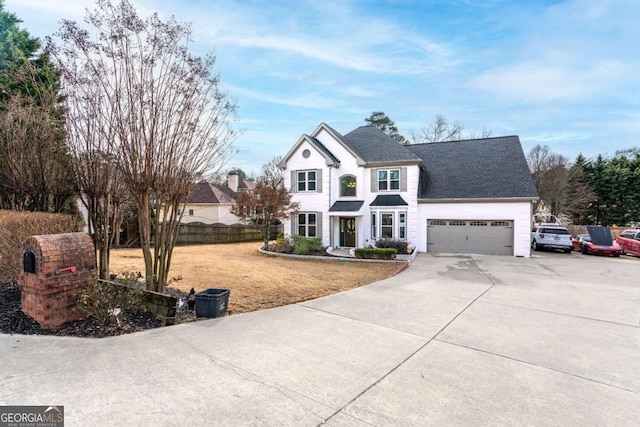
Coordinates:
233 180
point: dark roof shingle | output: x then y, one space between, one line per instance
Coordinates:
474 169
203 192
321 147
347 206
388 200
373 145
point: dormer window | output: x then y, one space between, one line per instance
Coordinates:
348 186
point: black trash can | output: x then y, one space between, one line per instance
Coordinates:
212 302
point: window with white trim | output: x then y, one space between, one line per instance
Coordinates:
347 186
307 224
386 225
389 225
388 179
374 228
306 180
190 212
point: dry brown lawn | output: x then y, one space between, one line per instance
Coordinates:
257 281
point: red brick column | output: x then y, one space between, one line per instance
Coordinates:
64 265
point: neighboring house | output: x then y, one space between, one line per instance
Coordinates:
209 203
470 196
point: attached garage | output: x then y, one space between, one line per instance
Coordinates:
480 236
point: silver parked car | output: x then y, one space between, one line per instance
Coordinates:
551 237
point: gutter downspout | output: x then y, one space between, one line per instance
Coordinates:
329 216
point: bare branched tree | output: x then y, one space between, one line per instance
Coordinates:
169 121
438 130
264 206
442 130
484 133
36 170
550 175
271 174
580 194
91 131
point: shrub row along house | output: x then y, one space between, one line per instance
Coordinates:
469 196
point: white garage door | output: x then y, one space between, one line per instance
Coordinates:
470 236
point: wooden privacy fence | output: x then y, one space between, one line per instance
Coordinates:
582 229
195 233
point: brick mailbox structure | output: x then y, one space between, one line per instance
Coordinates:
56 267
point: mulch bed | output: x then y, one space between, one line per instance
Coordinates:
14 321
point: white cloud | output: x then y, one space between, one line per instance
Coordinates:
305 100
547 80
63 8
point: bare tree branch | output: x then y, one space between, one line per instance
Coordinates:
161 113
271 174
263 206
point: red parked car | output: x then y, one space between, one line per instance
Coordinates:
577 241
588 248
629 240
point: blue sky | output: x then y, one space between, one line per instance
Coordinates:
560 73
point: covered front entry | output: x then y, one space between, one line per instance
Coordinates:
470 236
347 232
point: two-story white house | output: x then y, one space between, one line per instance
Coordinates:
470 196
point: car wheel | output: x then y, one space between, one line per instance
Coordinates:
617 254
585 251
535 246
567 251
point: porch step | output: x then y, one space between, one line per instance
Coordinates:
340 252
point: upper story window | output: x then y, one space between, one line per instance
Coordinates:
348 186
388 179
307 180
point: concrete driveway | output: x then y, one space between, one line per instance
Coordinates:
452 340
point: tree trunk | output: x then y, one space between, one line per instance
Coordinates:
144 226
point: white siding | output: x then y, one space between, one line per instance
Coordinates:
310 201
417 214
410 196
210 214
518 212
321 202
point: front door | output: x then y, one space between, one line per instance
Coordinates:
348 232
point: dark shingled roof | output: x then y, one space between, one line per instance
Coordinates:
373 145
347 206
323 149
388 200
203 192
474 169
